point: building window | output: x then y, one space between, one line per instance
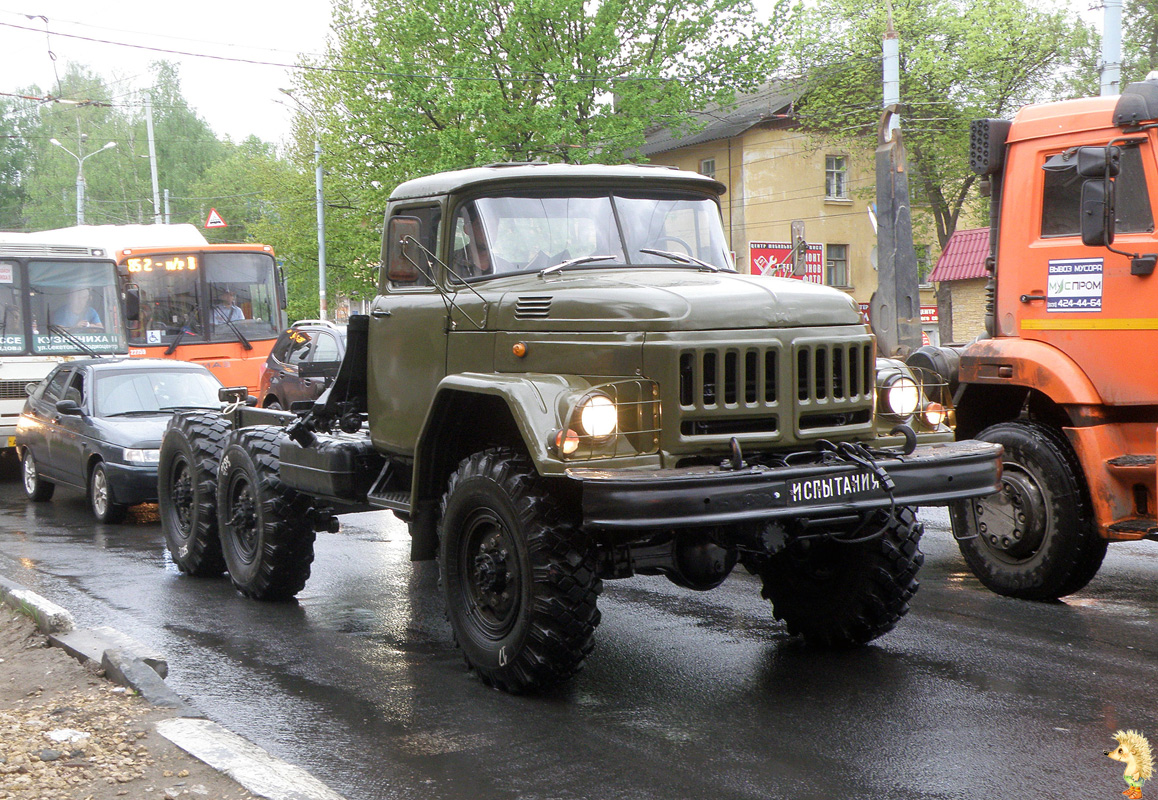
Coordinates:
708 167
924 263
836 265
835 178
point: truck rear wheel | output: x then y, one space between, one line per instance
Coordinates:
1035 539
838 595
518 574
266 539
187 491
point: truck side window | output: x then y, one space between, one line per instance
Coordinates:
1061 203
428 217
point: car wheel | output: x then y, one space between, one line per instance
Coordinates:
519 575
187 491
100 496
274 405
36 487
1036 538
266 539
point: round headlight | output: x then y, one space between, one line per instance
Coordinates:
598 416
902 396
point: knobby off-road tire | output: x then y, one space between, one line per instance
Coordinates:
101 499
840 595
266 539
1035 539
36 487
518 575
187 491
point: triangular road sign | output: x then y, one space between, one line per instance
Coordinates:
215 220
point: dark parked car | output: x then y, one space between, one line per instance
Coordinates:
96 425
311 342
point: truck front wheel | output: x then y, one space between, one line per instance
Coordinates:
1035 539
838 594
518 574
187 491
266 539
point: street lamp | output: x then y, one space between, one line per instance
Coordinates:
80 173
321 207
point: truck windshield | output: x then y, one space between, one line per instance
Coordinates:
524 232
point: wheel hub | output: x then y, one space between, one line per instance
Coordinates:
1013 521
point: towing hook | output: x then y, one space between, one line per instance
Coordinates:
910 437
737 459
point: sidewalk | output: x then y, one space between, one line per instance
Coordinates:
69 732
65 732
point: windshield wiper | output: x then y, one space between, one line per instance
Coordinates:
240 336
135 412
191 408
680 257
572 262
172 348
59 331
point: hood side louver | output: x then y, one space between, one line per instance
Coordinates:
533 307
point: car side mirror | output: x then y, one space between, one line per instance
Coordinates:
1097 213
68 408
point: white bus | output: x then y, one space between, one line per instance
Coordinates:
57 302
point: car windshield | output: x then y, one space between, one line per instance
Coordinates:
161 391
527 232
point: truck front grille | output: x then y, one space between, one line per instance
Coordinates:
770 390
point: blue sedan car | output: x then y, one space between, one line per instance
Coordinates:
96 425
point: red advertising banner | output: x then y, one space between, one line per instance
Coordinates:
774 259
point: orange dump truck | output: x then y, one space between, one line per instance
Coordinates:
1067 377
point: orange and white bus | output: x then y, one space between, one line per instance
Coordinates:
221 305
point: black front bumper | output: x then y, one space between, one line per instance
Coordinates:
932 475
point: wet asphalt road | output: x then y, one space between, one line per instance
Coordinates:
686 696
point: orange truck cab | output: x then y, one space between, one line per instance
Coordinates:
1067 377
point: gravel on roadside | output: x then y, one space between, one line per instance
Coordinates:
68 734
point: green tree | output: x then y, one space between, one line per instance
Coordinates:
15 117
414 88
960 60
1139 39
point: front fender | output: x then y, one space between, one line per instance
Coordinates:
536 402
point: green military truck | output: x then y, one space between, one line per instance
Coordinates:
561 381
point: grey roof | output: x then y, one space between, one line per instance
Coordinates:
516 175
772 101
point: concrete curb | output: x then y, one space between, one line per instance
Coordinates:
127 662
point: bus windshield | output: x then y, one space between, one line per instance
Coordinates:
204 297
74 308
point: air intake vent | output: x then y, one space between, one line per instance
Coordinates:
533 307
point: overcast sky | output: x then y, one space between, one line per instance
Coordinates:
236 98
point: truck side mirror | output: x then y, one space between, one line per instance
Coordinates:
1098 212
1099 162
402 252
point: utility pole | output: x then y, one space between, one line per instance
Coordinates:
1111 66
318 172
152 158
895 307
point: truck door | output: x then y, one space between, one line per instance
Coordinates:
408 325
1082 300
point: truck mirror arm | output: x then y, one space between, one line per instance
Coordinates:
446 296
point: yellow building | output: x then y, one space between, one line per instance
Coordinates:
776 172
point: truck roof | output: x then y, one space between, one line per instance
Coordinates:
1138 103
523 174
